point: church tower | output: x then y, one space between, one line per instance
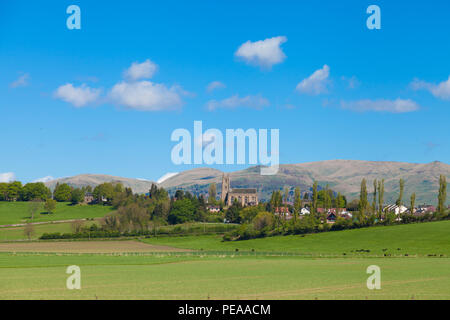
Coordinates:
225 186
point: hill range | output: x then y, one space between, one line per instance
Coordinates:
341 175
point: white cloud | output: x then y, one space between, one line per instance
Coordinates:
381 105
256 102
22 81
166 177
78 96
263 53
440 90
352 82
44 179
215 85
7 177
144 70
146 96
316 83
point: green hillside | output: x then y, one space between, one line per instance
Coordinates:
422 239
18 212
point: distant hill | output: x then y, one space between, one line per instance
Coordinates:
341 175
83 180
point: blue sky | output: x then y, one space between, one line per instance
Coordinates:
70 103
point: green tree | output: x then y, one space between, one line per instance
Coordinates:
380 196
77 196
297 203
442 196
233 213
14 190
413 203
399 201
3 191
212 193
104 191
62 192
363 199
314 196
182 211
247 214
36 190
50 206
263 220
374 202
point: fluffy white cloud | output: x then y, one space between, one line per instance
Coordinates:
316 83
144 70
7 177
22 81
381 105
146 96
215 85
256 102
44 179
440 90
78 96
263 53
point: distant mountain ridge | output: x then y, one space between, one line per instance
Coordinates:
84 180
341 175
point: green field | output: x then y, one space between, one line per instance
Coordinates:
321 271
165 277
412 239
18 212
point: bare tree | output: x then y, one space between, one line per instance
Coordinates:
34 207
28 231
77 226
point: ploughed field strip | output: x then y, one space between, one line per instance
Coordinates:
87 247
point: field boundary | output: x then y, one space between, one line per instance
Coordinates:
215 254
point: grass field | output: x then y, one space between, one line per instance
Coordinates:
153 269
421 239
166 277
18 212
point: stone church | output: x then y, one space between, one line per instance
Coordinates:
247 197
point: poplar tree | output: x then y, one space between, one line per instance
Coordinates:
297 202
380 196
442 197
374 202
413 203
212 193
400 196
314 195
363 198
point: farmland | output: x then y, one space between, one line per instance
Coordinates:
414 262
412 239
227 277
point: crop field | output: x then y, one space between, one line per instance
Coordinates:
18 212
86 247
227 277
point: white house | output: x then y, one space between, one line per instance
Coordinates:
395 208
304 211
